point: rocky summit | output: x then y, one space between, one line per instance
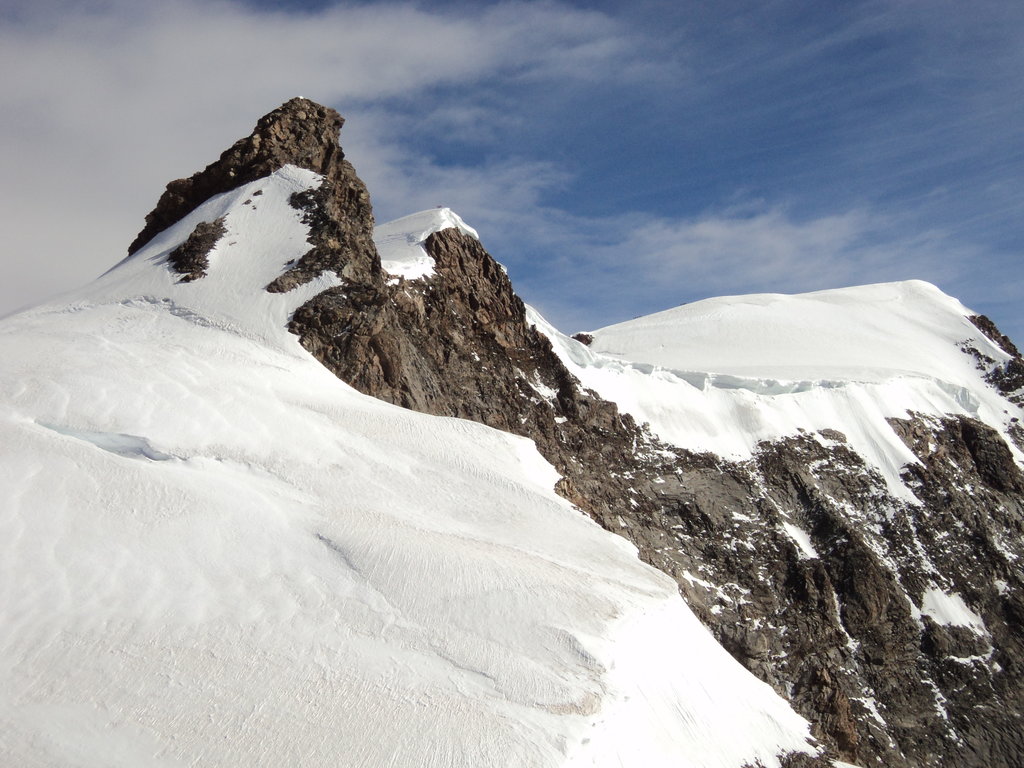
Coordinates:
862 559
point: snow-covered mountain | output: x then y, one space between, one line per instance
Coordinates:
725 374
285 488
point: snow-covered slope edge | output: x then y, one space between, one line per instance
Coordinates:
723 375
215 552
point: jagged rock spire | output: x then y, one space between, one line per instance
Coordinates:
299 132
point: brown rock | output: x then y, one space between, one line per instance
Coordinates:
191 258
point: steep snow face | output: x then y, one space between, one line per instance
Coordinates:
214 552
264 235
867 333
400 242
721 375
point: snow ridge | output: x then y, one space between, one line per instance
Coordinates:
724 374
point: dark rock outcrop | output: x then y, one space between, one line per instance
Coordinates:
584 338
191 258
301 133
1008 377
800 560
984 324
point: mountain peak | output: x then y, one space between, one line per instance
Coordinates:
300 132
832 481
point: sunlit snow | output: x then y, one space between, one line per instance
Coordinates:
724 374
950 609
802 540
213 552
400 242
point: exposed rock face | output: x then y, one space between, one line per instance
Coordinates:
191 258
1008 378
970 528
800 560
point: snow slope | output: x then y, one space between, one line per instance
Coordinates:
213 552
400 242
723 374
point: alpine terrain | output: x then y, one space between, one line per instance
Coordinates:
284 487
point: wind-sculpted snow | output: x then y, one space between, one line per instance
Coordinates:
214 552
833 334
129 446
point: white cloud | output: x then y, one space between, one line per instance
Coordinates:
112 100
618 264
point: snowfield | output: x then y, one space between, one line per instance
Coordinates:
215 553
724 374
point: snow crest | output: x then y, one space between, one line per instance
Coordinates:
264 236
400 242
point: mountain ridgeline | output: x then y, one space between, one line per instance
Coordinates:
839 625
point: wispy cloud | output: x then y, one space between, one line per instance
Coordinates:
607 268
633 156
113 99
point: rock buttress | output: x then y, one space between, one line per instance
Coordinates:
301 133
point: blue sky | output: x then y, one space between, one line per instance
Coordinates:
619 160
